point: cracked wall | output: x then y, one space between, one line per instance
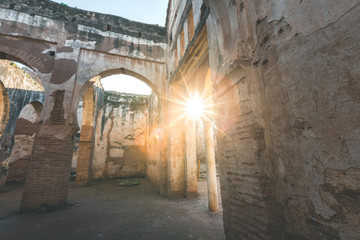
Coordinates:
120 137
288 72
67 48
288 75
22 87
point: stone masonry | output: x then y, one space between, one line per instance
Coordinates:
281 80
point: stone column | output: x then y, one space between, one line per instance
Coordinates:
190 164
211 167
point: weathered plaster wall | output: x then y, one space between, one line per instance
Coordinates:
24 136
21 89
67 47
292 69
120 137
288 75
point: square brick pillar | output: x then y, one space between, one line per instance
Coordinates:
84 162
83 169
47 182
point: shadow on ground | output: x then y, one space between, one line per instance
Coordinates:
106 210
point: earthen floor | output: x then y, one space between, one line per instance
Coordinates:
107 211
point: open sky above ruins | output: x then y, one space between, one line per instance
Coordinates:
147 11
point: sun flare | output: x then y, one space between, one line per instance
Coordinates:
195 106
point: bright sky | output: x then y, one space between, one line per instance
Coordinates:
125 83
146 11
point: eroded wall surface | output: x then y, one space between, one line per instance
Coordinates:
288 75
120 138
290 169
21 88
68 47
24 136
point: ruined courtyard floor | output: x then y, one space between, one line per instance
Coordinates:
104 210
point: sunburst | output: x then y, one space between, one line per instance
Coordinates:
195 107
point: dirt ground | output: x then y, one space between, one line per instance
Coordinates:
105 210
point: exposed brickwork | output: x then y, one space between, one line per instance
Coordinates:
246 188
47 182
24 127
286 83
57 114
18 170
27 51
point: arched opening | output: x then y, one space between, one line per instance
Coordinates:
123 125
124 117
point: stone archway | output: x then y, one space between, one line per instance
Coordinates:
92 102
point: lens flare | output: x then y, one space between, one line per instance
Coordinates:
195 106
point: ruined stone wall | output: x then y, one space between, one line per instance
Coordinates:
309 77
288 75
21 89
24 136
96 20
120 138
68 47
